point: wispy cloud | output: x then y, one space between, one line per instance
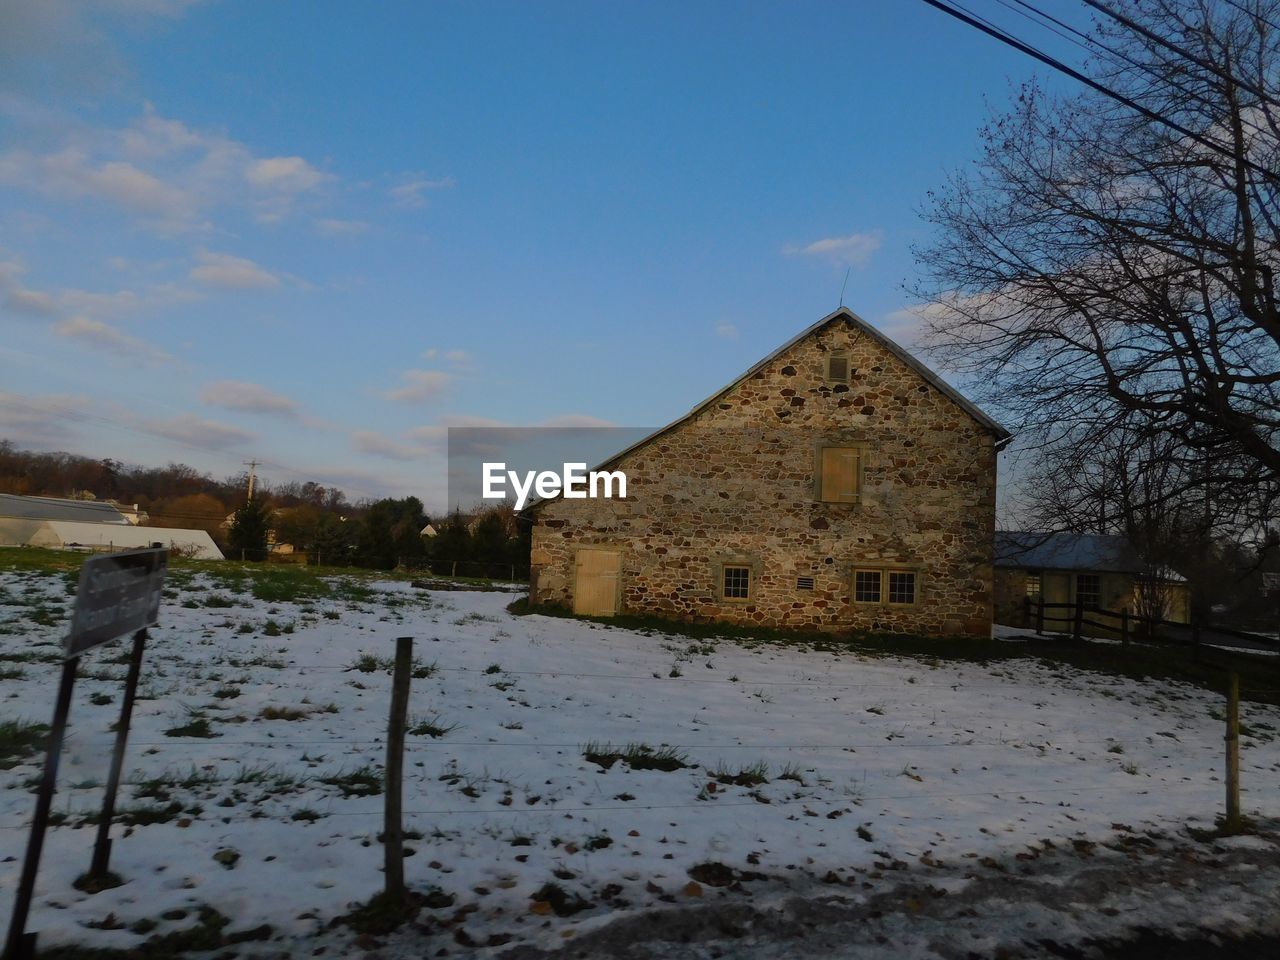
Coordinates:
248 397
103 336
854 250
420 386
288 174
340 228
372 442
190 429
726 331
410 194
231 273
21 299
39 421
167 174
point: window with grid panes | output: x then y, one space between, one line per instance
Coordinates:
866 586
737 582
902 586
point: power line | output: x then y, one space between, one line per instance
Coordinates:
1008 39
1181 51
1256 14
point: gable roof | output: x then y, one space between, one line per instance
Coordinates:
1001 435
56 508
844 313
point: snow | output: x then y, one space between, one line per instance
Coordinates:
900 761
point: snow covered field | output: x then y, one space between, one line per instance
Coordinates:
253 771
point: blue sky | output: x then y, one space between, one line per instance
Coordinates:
318 233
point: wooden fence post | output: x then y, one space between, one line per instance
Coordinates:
1124 626
1195 641
1040 617
393 827
1078 625
1232 822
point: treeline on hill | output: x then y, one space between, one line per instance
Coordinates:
318 522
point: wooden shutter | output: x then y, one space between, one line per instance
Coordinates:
838 368
595 589
839 475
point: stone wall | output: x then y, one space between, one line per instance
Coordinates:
736 482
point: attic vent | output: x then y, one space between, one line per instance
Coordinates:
838 369
804 583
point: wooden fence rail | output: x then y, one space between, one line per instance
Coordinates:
1129 625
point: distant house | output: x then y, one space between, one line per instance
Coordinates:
91 526
1101 571
838 484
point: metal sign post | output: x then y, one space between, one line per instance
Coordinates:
118 594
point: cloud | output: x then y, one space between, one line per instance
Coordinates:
287 174
169 175
21 299
231 273
187 428
726 331
369 441
340 228
103 336
39 421
853 250
410 194
420 386
249 397
575 421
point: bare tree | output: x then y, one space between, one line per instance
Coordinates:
1100 274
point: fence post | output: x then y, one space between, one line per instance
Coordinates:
100 865
21 945
1040 616
1078 624
1026 612
393 828
1232 822
1124 626
1195 641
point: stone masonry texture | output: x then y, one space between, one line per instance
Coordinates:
735 483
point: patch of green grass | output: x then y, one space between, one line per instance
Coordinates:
364 781
369 663
432 725
19 740
282 713
638 756
197 727
749 776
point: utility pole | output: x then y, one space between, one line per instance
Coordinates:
252 465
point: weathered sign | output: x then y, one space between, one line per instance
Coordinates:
119 593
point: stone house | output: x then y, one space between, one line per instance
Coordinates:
838 484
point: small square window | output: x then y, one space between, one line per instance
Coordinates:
902 586
1088 589
866 586
838 369
1033 586
737 583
